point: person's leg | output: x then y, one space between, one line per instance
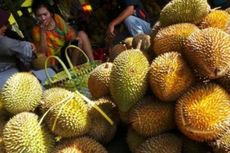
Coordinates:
136 25
86 45
5 75
42 76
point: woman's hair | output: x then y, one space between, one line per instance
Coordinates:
41 3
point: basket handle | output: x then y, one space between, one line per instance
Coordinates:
79 49
62 64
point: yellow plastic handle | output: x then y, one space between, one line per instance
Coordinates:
76 49
62 64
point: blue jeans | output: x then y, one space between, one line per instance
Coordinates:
136 25
40 74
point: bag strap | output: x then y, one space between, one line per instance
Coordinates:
76 49
62 64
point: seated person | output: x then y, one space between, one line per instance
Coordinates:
52 34
133 16
13 50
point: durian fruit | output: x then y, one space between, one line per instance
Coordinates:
80 145
98 82
179 11
4 115
23 133
191 146
2 124
228 10
203 113
222 144
100 129
124 117
21 92
170 76
171 38
39 62
128 42
134 139
217 19
69 114
128 78
116 50
208 51
146 43
225 81
151 117
156 27
164 143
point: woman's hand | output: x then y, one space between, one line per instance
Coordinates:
110 31
33 47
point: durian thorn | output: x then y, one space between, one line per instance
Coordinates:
96 107
62 101
139 44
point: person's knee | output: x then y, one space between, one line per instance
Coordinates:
129 21
82 35
133 25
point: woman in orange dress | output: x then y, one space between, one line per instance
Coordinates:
52 33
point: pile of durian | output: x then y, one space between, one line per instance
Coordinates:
170 89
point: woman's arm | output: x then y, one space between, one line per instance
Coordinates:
43 42
40 40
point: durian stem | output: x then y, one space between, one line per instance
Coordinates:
96 107
139 44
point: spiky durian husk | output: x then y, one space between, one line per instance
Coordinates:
151 117
4 115
179 11
191 146
23 133
169 76
171 38
208 51
116 50
217 19
3 121
128 42
39 61
228 10
225 81
80 145
124 117
203 113
222 144
99 78
134 139
100 129
164 143
21 92
69 118
128 78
